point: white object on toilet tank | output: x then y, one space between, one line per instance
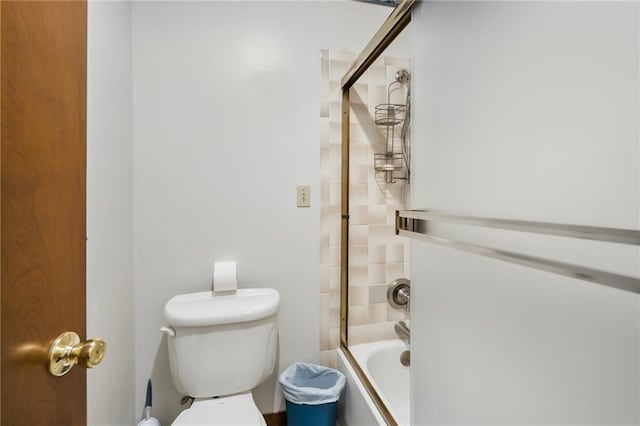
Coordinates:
224 277
223 344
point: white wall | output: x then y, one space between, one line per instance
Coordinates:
110 212
525 111
225 106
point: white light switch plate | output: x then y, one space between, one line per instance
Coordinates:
303 198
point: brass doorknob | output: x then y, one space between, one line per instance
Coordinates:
67 351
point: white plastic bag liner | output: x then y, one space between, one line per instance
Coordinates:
311 384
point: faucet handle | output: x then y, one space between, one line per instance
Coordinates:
399 294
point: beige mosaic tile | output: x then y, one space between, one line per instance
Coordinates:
377 312
359 136
335 173
358 296
378 294
395 253
376 254
347 57
378 214
359 94
376 195
334 255
381 331
334 278
334 234
324 91
337 68
358 256
335 153
358 235
324 193
358 194
334 337
359 334
359 215
377 274
334 214
334 317
358 157
335 131
377 96
324 307
324 161
360 174
329 358
324 336
377 76
335 94
324 250
394 270
335 191
377 234
358 315
324 278
335 115
396 314
334 299
324 132
358 275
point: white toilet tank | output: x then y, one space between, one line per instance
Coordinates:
222 344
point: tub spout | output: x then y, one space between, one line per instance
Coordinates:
403 331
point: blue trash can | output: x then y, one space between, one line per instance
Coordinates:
312 393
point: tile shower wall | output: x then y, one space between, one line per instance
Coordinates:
377 255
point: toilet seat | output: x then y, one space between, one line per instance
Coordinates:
239 409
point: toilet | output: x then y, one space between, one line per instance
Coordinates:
220 348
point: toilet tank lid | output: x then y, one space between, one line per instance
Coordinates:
204 308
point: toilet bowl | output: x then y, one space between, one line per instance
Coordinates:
220 348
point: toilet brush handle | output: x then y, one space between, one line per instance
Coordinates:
149 396
148 402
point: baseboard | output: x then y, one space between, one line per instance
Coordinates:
276 419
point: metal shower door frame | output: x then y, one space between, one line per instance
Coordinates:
386 34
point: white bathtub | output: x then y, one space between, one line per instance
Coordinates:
381 363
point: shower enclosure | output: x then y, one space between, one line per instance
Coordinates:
376 173
525 265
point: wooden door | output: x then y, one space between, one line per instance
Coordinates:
43 163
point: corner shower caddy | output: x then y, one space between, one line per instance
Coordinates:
395 161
